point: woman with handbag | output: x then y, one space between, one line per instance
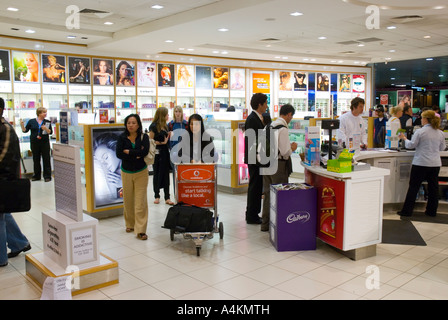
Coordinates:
132 147
10 234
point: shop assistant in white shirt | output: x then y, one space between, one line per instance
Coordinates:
351 123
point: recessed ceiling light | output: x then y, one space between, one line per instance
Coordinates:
440 75
169 41
12 9
393 69
223 29
392 51
224 52
391 27
429 59
108 23
306 59
296 14
30 31
71 37
190 49
439 7
285 58
430 82
392 78
322 38
361 44
181 49
216 51
277 57
157 6
427 37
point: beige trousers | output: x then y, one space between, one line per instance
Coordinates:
135 199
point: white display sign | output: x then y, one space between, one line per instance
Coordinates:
26 87
125 91
187 92
57 288
79 89
146 91
83 245
300 94
203 92
167 92
285 94
54 88
103 90
5 86
237 94
322 95
220 93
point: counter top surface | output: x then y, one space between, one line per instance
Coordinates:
372 172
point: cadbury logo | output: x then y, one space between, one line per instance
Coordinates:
301 216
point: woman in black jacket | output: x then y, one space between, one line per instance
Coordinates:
132 147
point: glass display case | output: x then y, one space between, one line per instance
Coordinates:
125 105
103 109
297 134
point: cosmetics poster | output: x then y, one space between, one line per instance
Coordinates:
185 76
261 82
103 72
53 68
79 70
344 82
220 78
359 83
125 73
5 70
237 79
322 82
300 81
203 77
166 75
285 81
146 74
26 66
404 98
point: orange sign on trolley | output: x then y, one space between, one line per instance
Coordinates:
196 184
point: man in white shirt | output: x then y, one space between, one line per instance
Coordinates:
352 127
284 166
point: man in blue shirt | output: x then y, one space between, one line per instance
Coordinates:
380 128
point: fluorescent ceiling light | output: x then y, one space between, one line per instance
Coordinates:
30 31
322 38
169 41
12 9
393 69
429 59
296 14
190 49
157 6
224 52
71 37
223 29
108 23
391 27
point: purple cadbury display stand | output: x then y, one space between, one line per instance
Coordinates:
293 218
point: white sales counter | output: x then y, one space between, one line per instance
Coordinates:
349 208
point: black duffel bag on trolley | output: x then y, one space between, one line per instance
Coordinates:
184 217
15 195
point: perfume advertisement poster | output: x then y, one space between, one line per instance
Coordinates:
53 68
344 82
359 83
79 70
185 76
108 188
220 78
237 79
166 75
300 81
322 82
26 66
203 77
5 70
285 81
125 73
146 74
103 72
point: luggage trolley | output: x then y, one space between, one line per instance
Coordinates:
196 185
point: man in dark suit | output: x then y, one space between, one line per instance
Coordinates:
253 126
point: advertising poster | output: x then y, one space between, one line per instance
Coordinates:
261 82
26 66
125 73
220 78
285 81
196 184
322 82
237 79
166 75
146 74
5 70
185 76
344 82
79 70
53 68
103 72
300 81
359 83
108 189
203 77
404 98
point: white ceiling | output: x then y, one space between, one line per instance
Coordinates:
258 29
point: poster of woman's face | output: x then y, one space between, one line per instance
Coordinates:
322 82
108 188
166 75
79 70
125 73
285 83
300 81
203 77
146 76
26 66
53 68
185 76
103 72
5 71
220 78
404 98
344 82
237 79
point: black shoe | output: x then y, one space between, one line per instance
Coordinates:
15 254
254 221
47 179
4 265
430 215
35 179
403 215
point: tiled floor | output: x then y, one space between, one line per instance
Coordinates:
243 265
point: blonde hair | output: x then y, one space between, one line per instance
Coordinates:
160 119
40 110
394 110
178 108
432 118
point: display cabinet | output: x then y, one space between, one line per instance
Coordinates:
103 108
125 105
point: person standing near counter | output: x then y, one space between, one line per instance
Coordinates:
427 141
380 128
406 119
352 127
392 127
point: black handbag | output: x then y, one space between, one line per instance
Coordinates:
189 218
15 195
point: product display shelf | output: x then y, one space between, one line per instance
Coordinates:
104 108
125 105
